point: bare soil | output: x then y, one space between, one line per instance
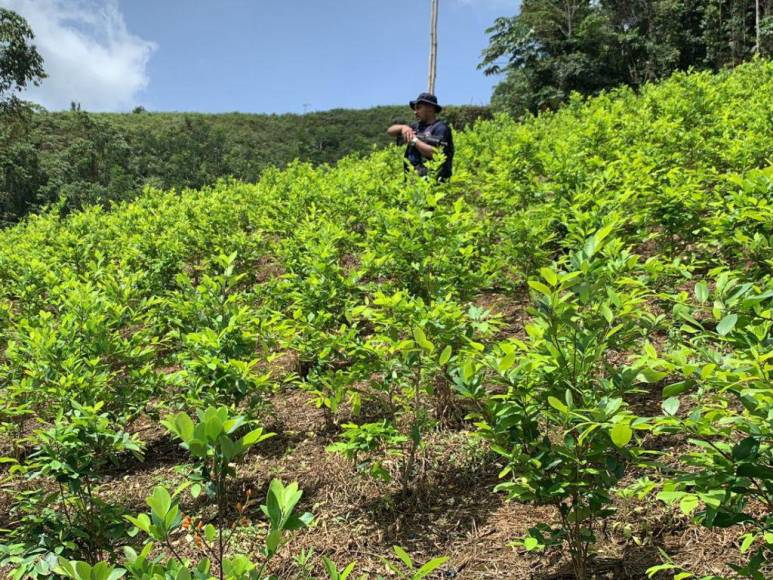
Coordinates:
453 512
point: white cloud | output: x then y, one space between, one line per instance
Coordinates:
89 55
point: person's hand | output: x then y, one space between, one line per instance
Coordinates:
408 134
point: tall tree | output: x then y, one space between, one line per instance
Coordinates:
20 62
553 47
548 50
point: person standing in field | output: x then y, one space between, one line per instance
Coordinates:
425 137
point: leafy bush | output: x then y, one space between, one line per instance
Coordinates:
166 520
63 514
728 395
563 424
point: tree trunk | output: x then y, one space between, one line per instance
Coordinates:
758 45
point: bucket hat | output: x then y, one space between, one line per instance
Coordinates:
426 98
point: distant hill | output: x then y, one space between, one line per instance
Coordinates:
75 158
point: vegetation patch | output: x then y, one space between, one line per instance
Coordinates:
557 364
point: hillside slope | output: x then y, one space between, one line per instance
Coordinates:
77 158
607 265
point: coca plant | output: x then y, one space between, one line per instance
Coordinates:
64 513
722 404
556 407
166 525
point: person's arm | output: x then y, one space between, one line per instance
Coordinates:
405 130
427 151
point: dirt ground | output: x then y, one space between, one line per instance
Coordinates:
454 511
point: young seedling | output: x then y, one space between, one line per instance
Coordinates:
410 570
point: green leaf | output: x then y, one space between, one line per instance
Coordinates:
233 424
621 434
708 370
670 496
748 540
172 517
549 275
531 543
468 370
299 522
421 339
197 448
116 574
104 571
330 568
506 363
280 502
184 426
230 448
540 287
430 567
689 504
675 389
606 312
558 405
653 570
213 427
272 541
404 556
346 572
648 375
701 292
255 436
670 406
142 521
727 324
64 567
602 233
745 449
755 471
83 570
612 406
160 501
445 356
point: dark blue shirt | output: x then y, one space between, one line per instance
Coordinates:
441 131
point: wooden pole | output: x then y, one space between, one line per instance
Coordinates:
433 47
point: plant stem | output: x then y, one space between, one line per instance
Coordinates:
220 514
415 434
174 552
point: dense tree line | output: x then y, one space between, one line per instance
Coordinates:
75 158
554 47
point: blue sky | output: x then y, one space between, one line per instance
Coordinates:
269 56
